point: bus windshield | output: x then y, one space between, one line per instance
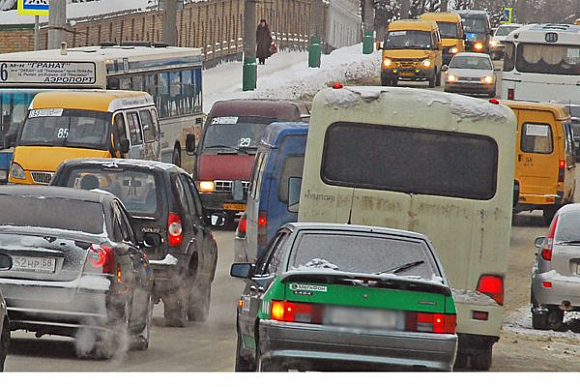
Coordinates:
548 59
448 30
408 39
66 128
475 24
505 30
14 106
227 134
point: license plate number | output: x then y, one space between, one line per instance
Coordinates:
234 206
361 318
39 265
407 74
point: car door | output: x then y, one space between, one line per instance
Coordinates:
136 150
267 268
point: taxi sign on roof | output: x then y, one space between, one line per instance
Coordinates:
33 7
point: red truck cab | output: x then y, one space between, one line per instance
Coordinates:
227 148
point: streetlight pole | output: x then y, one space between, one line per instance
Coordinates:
56 23
315 44
169 21
405 9
369 26
249 69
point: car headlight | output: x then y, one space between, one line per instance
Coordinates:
17 172
478 46
453 50
387 62
206 186
3 175
451 78
493 43
426 63
487 80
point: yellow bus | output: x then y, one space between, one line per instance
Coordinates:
451 30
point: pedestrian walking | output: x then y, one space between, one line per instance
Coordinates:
263 41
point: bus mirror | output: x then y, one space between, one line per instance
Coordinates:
294 187
439 46
190 143
124 146
378 44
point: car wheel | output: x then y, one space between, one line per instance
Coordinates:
548 215
199 302
4 343
540 321
394 82
176 158
482 360
385 81
438 80
460 362
555 319
175 308
104 345
141 340
433 80
263 365
242 365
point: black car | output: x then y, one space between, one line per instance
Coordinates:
162 199
5 264
77 269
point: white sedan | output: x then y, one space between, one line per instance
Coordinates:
470 73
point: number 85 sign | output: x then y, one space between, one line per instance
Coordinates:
33 7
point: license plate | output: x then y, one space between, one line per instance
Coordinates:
407 74
361 318
38 265
234 206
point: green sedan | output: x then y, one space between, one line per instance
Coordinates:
342 297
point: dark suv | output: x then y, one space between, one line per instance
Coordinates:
163 199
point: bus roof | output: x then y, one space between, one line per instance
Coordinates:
473 13
408 24
95 100
441 16
536 33
560 112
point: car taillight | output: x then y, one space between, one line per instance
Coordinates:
101 258
549 240
242 225
431 322
561 171
296 312
511 94
262 227
492 285
174 230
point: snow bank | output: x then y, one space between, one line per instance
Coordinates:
292 79
472 297
520 322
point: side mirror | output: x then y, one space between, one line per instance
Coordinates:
190 143
152 240
378 45
242 270
539 241
294 188
439 46
124 146
5 262
445 68
218 219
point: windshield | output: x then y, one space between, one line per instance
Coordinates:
470 62
568 229
226 134
14 106
57 213
505 30
448 30
374 254
475 24
548 59
66 127
136 189
408 39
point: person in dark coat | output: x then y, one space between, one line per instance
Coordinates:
263 41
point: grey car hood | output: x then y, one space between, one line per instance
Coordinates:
470 73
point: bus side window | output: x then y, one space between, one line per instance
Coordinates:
134 128
149 132
155 121
120 132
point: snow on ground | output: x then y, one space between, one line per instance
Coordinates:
520 321
286 75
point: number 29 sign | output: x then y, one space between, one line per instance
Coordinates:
33 7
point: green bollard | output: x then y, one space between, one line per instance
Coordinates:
249 74
314 52
368 42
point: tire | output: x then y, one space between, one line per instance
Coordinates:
482 360
548 215
394 82
141 340
438 80
540 321
175 308
433 80
4 344
242 365
199 302
385 81
176 158
460 362
107 344
555 319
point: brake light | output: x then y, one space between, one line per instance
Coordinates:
262 229
549 241
101 258
431 322
511 94
242 225
119 276
296 312
174 230
561 171
492 285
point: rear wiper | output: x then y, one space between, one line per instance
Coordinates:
228 147
401 268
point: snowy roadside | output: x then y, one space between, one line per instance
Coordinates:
291 78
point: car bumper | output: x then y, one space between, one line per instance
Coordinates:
410 74
564 288
469 87
222 201
167 274
318 344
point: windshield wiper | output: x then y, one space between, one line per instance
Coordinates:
230 147
401 268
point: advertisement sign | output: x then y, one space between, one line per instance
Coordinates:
47 72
